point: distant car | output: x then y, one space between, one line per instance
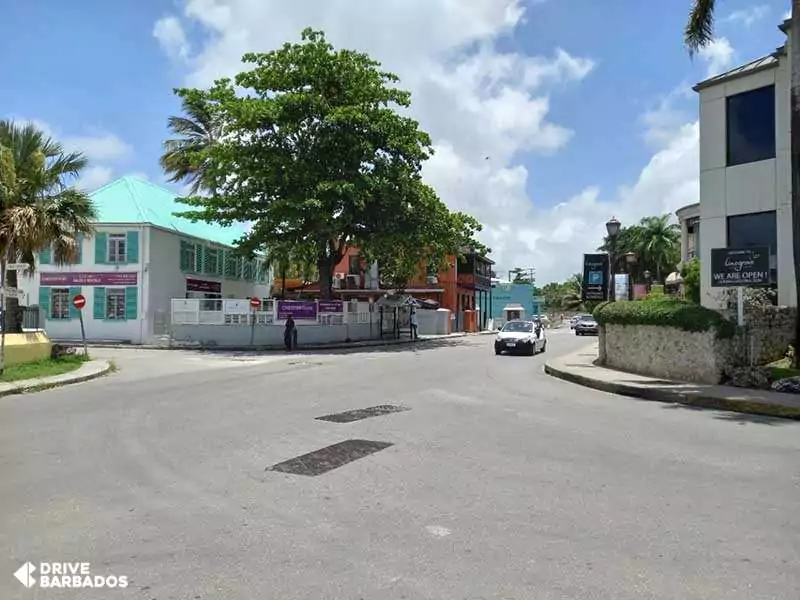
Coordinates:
523 337
586 325
574 320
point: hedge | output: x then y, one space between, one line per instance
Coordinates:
665 312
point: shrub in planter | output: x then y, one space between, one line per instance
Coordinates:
665 312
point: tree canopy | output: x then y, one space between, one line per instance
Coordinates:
311 148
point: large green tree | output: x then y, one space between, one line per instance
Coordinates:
655 243
38 206
698 33
314 152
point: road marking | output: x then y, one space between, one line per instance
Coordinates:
438 530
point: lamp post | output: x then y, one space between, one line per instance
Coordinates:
612 227
647 276
630 260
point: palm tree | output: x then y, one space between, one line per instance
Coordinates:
699 31
38 208
573 293
660 243
196 132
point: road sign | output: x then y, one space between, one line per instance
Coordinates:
17 267
79 301
255 302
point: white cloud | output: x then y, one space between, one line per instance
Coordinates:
719 54
748 16
100 147
483 108
93 177
140 175
169 33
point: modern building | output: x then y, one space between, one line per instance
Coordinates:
506 294
689 221
140 258
745 175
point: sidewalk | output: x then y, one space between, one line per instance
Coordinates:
88 370
579 368
300 348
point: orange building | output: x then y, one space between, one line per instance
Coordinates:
464 284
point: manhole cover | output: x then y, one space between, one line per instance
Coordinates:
362 413
330 458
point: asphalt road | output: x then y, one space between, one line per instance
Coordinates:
500 483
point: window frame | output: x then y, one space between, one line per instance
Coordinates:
116 239
190 248
54 292
110 292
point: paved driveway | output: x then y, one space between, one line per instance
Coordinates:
499 482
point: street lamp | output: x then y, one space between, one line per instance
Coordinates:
647 275
612 227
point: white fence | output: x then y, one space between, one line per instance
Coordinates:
237 311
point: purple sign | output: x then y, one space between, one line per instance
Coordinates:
300 310
331 306
201 285
112 278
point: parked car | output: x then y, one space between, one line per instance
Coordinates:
524 337
586 325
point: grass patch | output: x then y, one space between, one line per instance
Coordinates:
781 369
665 312
43 368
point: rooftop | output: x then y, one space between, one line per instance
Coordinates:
760 64
134 200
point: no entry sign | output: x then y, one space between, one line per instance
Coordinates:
255 302
79 301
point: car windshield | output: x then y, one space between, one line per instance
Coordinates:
518 326
587 318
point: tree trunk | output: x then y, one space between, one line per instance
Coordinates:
794 58
283 281
12 318
325 266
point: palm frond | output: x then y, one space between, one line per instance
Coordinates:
699 30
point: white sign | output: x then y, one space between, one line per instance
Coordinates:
17 267
66 575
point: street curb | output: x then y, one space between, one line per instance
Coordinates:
301 348
671 397
25 386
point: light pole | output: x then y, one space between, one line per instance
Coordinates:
647 275
630 260
612 227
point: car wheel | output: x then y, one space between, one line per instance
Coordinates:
532 350
544 347
497 352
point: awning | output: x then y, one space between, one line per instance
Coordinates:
673 279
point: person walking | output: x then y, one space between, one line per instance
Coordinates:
289 334
414 324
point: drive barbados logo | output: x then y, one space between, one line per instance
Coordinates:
66 575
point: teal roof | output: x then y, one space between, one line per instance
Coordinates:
133 200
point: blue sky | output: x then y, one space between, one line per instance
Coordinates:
603 128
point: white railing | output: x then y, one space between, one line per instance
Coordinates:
237 311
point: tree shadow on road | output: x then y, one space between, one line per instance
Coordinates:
735 417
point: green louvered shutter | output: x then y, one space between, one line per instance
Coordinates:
209 260
220 265
99 304
132 251
131 308
73 312
230 264
100 248
198 258
45 256
44 301
79 242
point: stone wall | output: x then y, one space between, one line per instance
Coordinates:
767 334
664 352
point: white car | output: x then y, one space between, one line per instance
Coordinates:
524 337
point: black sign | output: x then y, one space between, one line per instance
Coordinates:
201 285
595 277
739 267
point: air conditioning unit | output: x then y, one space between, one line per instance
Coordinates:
353 282
337 281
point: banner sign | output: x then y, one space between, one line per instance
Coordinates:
112 278
299 310
201 285
595 277
331 306
621 286
738 267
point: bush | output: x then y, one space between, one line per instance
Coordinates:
665 312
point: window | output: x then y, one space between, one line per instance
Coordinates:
756 229
750 126
59 303
188 256
115 304
116 248
354 267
